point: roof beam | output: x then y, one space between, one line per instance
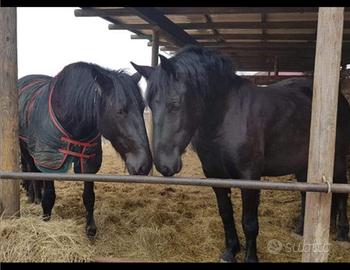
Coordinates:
169 30
252 44
305 37
103 15
233 10
233 25
198 11
120 12
106 12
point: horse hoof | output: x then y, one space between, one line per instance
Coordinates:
224 261
251 260
296 236
91 231
37 201
30 200
228 257
46 217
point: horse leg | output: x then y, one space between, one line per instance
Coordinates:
301 177
36 187
226 213
89 202
250 203
341 200
48 199
33 188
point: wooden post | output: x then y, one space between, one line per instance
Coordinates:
275 70
155 51
10 189
155 45
322 133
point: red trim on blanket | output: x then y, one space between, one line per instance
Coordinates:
87 144
32 103
23 138
81 155
29 85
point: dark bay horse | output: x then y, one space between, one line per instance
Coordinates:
239 131
62 120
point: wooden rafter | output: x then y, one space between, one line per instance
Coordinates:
169 30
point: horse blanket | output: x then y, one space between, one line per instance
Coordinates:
51 146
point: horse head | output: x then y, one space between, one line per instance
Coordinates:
176 113
121 118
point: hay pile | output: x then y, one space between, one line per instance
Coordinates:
30 239
148 223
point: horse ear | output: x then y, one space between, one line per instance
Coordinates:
166 64
104 82
145 71
136 77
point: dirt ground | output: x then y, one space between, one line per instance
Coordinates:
151 222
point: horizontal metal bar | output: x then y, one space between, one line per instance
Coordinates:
208 182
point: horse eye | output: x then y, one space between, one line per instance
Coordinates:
175 105
119 111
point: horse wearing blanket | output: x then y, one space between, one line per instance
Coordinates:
62 120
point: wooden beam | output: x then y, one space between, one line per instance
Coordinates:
304 37
154 63
252 49
102 13
251 44
120 12
267 80
106 12
233 10
259 44
199 11
233 25
10 189
323 131
155 46
169 30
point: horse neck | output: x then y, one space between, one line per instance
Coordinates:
220 99
72 113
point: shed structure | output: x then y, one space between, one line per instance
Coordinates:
256 38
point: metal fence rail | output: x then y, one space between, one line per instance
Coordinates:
208 182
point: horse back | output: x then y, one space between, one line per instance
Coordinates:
287 135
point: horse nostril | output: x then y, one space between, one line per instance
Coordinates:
143 170
165 171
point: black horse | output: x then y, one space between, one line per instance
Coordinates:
62 119
238 130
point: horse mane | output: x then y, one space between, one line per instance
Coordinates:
203 70
77 82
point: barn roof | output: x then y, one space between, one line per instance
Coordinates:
254 37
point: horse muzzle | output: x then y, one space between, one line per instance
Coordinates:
139 165
168 166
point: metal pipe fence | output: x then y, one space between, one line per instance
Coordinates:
206 182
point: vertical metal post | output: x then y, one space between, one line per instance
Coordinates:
10 189
322 133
